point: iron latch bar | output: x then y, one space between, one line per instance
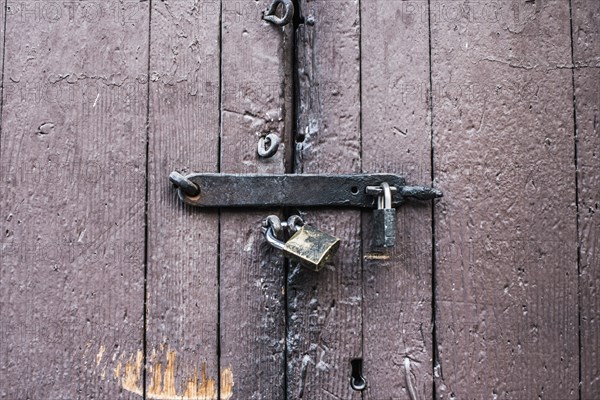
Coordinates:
296 190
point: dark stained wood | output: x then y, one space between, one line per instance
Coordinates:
2 21
396 138
255 101
586 53
325 308
182 300
72 172
510 83
588 120
506 251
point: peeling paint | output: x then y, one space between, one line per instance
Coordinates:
162 379
227 383
99 355
133 374
376 256
86 354
207 388
117 373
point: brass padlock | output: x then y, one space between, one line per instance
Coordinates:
309 246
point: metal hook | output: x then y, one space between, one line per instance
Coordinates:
288 12
268 145
293 222
273 222
357 380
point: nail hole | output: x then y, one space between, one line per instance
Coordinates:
354 190
357 381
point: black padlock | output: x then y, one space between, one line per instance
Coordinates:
384 219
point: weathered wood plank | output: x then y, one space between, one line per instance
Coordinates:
255 102
586 54
588 119
2 22
325 308
182 285
72 199
506 253
396 138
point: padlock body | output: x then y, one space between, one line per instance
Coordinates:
384 227
311 247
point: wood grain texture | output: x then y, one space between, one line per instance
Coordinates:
182 284
325 308
396 138
2 22
255 102
586 53
72 172
506 251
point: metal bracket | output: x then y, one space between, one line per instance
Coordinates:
305 190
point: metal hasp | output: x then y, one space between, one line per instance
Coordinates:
296 190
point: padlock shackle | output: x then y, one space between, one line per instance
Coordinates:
272 240
385 199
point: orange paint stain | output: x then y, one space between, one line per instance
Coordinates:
162 380
133 374
226 383
117 373
99 355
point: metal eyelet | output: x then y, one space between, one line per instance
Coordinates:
288 12
268 145
184 184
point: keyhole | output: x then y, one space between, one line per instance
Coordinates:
357 381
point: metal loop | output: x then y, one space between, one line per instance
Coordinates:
272 240
184 184
273 222
385 199
378 190
288 12
293 222
268 145
358 384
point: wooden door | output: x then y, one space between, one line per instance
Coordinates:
113 289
